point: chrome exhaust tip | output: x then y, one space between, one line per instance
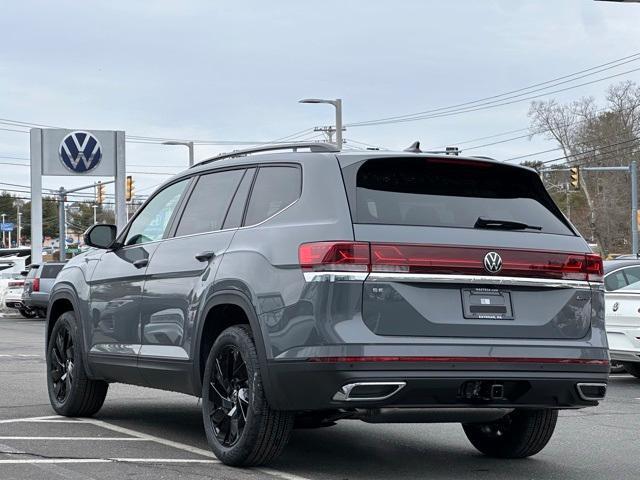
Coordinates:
591 392
368 391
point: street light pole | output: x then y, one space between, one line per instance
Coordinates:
19 226
188 144
337 103
95 217
3 235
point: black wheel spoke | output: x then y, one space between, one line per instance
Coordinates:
62 363
228 399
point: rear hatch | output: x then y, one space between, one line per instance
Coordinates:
467 248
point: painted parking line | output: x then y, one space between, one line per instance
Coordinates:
137 435
17 461
19 355
79 439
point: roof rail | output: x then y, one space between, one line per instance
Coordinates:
313 146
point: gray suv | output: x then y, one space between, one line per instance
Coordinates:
301 288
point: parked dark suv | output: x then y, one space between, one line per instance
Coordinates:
307 287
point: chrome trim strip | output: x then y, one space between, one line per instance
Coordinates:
588 398
335 276
343 395
478 279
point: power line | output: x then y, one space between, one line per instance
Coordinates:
491 105
507 95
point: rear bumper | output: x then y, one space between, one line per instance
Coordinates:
303 385
36 300
624 343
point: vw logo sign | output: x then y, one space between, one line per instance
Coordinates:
80 152
492 262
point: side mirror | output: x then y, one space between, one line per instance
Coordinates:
100 235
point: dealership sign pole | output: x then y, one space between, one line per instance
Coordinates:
62 152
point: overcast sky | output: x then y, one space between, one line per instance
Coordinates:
234 70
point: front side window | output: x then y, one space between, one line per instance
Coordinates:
209 202
152 221
275 188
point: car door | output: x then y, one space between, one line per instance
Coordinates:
116 287
182 269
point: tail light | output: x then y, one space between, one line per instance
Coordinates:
438 259
35 285
18 283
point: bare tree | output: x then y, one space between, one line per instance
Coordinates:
592 136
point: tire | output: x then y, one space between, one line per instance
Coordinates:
26 313
241 428
71 392
520 434
632 368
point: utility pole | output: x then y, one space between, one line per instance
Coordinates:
95 217
62 195
19 225
4 244
634 206
62 224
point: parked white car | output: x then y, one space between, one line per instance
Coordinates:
622 312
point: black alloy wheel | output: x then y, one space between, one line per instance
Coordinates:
62 364
228 402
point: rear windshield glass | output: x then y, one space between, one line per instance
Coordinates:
453 193
51 271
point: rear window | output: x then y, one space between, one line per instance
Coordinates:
452 193
50 271
32 272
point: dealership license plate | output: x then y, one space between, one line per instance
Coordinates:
486 304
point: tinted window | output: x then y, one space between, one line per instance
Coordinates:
234 215
208 203
50 271
275 188
152 221
452 193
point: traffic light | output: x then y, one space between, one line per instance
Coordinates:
99 193
129 188
574 173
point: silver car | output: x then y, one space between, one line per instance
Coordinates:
317 286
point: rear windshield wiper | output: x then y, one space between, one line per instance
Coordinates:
503 224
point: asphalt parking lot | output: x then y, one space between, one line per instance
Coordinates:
147 434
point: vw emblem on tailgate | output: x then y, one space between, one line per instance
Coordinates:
80 152
493 262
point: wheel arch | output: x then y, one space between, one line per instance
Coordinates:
64 300
211 322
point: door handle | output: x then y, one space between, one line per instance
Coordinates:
141 263
205 256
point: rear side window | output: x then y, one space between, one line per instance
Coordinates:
275 188
209 202
234 215
452 193
32 272
50 271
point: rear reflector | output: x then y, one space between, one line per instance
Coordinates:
440 259
383 359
